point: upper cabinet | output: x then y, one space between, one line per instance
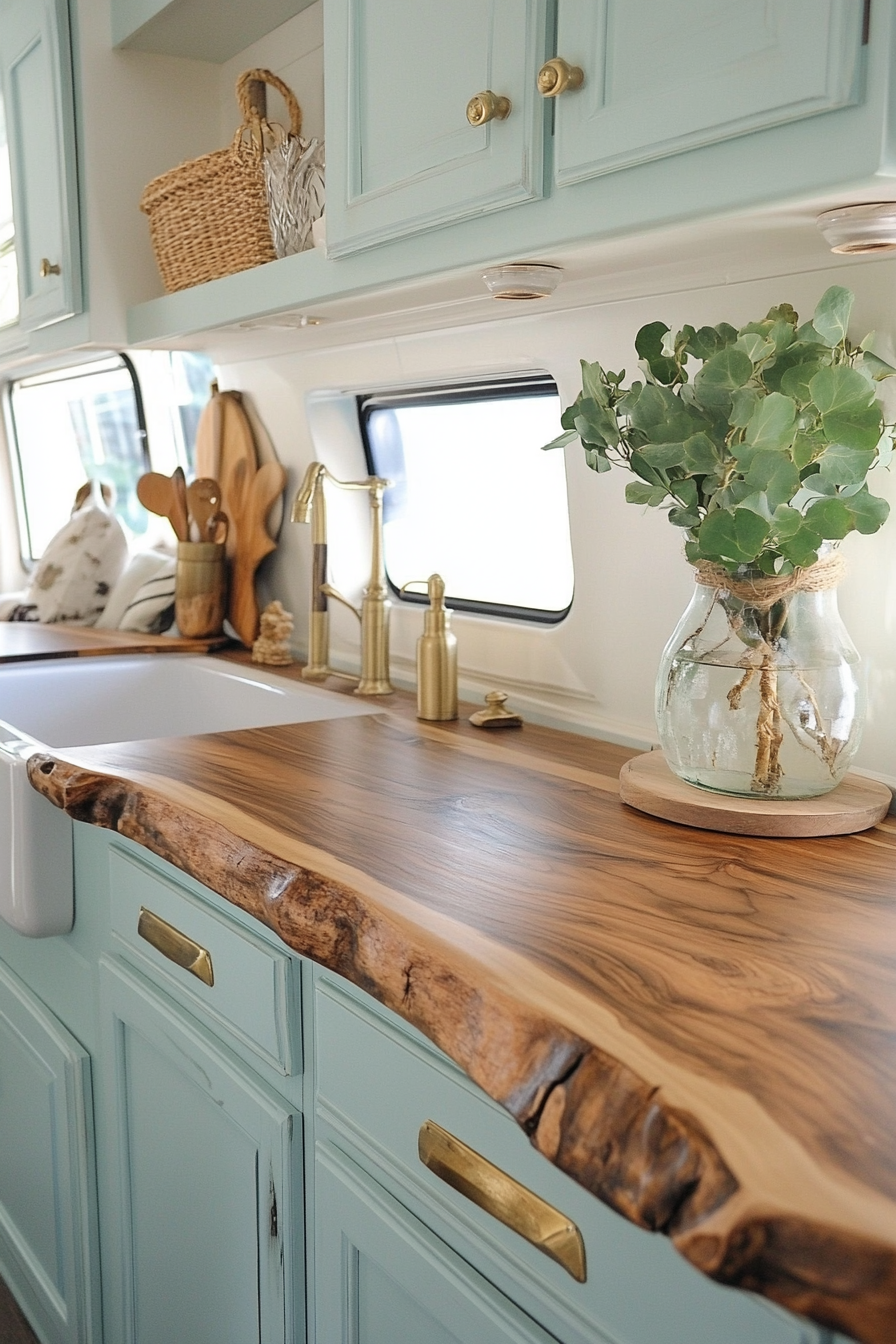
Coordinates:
37 91
673 75
408 150
434 118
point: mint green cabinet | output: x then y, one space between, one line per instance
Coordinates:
401 153
202 1183
48 1215
36 68
662 78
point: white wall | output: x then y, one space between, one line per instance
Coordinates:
595 671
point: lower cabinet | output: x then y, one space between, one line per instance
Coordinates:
206 1235
384 1277
48 1216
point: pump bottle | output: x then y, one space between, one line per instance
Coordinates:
436 658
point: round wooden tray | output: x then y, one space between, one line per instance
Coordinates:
647 783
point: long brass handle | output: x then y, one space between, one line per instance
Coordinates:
176 946
558 76
488 106
48 268
512 1204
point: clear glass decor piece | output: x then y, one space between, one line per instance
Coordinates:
294 177
759 692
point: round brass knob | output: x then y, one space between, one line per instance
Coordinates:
487 106
48 267
558 76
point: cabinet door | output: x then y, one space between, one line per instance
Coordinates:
401 154
47 1186
37 92
203 1179
383 1277
663 76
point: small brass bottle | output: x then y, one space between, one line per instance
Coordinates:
437 658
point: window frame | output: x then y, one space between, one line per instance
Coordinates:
48 373
502 387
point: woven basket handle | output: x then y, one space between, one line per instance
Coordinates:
252 99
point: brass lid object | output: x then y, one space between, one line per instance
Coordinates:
436 656
495 715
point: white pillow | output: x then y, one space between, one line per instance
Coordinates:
144 568
79 569
151 609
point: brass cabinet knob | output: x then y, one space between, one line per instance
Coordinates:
487 106
48 267
558 76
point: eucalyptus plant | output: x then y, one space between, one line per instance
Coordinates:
757 441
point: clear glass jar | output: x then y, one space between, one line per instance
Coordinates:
760 699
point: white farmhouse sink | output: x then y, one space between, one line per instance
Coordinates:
79 702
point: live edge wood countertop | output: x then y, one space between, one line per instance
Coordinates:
699 1028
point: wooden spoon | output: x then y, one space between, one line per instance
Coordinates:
253 500
203 503
178 515
156 493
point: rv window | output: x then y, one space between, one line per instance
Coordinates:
86 422
9 291
473 497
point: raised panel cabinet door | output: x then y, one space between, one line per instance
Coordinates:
662 76
401 154
203 1241
36 60
48 1219
384 1278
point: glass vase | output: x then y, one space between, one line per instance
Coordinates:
760 697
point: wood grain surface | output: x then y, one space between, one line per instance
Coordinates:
700 1029
27 640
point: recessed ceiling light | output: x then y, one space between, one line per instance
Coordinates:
860 229
522 280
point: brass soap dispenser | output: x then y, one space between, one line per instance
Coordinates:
436 656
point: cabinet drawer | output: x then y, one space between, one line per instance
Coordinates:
378 1084
253 992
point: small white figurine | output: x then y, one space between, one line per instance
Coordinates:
272 644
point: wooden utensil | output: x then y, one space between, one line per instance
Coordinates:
179 517
237 446
216 528
203 503
156 493
251 503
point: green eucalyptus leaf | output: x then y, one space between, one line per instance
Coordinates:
795 380
684 517
561 440
885 449
798 353
832 518
806 447
626 403
703 344
734 493
726 333
639 492
787 521
685 491
663 455
736 535
649 345
845 466
743 403
831 318
801 549
816 484
663 417
700 454
869 512
646 472
775 474
849 413
596 460
783 312
877 367
570 415
594 383
783 334
771 425
755 346
721 375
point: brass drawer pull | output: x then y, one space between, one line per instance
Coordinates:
176 946
488 106
558 76
512 1204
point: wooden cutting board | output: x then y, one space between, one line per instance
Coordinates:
224 439
21 641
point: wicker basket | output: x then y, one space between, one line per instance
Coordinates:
210 217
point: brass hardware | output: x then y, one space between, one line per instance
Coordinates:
488 106
518 1208
48 268
436 655
558 76
374 610
176 946
496 716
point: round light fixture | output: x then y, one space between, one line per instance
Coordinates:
522 280
860 229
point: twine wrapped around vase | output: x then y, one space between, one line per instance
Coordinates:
762 591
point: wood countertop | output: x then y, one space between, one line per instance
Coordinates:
698 1028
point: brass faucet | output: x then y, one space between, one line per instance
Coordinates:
374 613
